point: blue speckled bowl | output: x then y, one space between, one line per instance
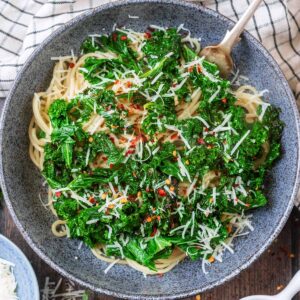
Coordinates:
22 183
27 285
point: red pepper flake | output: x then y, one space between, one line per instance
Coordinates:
147 35
114 37
235 185
71 65
121 106
190 69
92 200
199 70
279 287
111 166
104 158
224 100
143 138
128 84
107 212
201 141
153 232
112 139
133 142
162 193
206 129
108 108
129 152
123 38
57 194
148 219
174 136
136 106
131 197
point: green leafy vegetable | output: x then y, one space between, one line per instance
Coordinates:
156 154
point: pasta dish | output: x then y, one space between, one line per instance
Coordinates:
150 156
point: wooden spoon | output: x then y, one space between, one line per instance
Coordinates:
220 54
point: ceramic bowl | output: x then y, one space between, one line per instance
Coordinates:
27 285
22 183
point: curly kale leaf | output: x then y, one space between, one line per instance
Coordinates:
66 208
58 113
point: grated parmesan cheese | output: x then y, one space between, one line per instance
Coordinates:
214 95
202 120
239 143
157 27
50 291
111 265
183 169
133 17
8 283
157 77
174 128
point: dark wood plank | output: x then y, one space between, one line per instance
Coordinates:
273 269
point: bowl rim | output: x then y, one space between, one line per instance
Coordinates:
26 263
127 295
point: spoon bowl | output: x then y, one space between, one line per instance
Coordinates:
220 54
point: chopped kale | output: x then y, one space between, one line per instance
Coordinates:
155 154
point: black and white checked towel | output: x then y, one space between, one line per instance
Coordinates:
24 24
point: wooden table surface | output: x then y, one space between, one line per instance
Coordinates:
269 273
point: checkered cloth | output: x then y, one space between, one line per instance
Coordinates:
26 23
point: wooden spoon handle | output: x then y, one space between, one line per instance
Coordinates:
232 36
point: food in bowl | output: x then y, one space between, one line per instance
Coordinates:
8 284
150 156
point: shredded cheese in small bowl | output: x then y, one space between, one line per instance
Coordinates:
8 284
